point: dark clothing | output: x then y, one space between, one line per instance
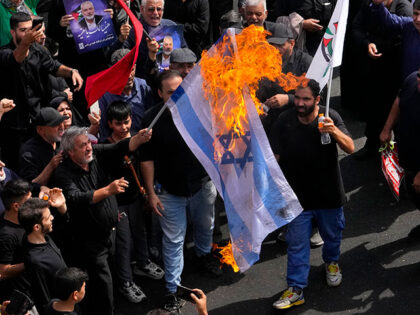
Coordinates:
51 311
195 16
321 10
410 36
382 74
26 83
42 261
12 252
176 168
35 154
91 221
285 7
409 126
298 63
83 23
10 175
311 168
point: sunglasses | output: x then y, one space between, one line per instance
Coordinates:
152 9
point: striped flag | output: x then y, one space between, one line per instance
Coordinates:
257 197
330 50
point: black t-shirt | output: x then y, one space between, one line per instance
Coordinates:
311 168
12 252
51 311
409 128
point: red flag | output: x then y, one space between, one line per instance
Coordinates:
114 79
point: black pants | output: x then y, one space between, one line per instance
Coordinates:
93 257
414 196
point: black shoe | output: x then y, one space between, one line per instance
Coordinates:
415 233
172 303
210 264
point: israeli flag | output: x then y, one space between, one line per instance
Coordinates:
258 199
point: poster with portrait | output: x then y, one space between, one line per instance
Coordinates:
168 37
92 27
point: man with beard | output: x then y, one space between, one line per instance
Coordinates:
90 21
313 172
163 59
136 93
42 258
39 156
93 208
27 65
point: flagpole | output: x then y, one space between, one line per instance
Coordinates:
327 105
157 117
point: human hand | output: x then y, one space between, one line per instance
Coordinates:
76 79
43 190
311 25
155 204
153 47
385 136
327 126
56 160
277 101
33 35
94 118
118 186
110 11
373 51
144 135
124 32
416 183
57 199
65 20
69 94
200 301
6 105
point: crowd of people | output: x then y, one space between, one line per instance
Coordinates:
71 179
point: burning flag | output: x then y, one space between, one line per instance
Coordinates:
330 50
215 111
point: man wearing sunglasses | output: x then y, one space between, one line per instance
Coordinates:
405 110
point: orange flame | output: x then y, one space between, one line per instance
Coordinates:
226 72
226 254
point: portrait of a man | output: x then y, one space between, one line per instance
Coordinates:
90 20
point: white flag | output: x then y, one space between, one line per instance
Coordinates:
330 50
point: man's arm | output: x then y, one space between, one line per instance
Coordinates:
148 172
66 72
116 187
141 137
392 22
393 116
8 271
344 141
44 177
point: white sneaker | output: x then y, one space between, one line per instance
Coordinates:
333 274
289 298
151 270
132 292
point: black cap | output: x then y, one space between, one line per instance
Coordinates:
183 55
49 116
280 34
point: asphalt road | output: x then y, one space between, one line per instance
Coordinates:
380 264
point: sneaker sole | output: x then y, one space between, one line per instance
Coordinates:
298 302
144 274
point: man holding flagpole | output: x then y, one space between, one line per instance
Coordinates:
312 170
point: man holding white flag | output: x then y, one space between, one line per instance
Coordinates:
330 50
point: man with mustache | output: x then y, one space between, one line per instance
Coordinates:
313 172
90 21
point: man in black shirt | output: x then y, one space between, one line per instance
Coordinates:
185 185
42 258
27 65
38 156
93 208
312 171
12 235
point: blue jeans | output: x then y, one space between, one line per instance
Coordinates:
174 225
330 223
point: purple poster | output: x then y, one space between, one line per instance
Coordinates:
92 27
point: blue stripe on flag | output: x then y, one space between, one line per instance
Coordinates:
193 124
267 188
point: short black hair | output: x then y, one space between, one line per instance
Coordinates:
67 281
313 86
14 191
165 75
230 19
30 213
118 110
17 18
416 5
